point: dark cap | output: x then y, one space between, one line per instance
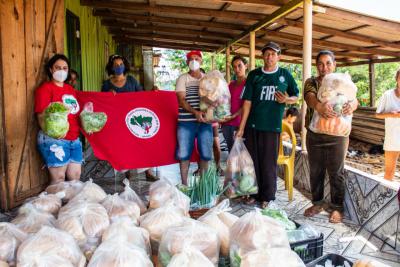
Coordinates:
272 45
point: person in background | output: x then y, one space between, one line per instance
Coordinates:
389 109
191 121
268 89
63 157
290 117
73 78
326 153
120 81
231 123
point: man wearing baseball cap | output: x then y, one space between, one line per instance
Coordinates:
268 89
191 122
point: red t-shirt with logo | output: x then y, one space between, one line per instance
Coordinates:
50 92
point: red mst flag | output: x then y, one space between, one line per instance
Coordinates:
140 130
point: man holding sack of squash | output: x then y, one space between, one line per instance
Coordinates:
331 100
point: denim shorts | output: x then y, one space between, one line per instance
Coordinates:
187 132
59 152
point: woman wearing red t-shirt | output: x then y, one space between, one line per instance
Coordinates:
63 156
231 123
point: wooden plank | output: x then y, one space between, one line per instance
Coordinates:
166 41
252 52
371 74
228 64
124 6
175 21
167 36
364 62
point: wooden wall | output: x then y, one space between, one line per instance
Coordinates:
24 25
367 128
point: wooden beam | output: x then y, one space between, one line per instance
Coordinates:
228 64
138 38
281 12
252 51
130 27
329 44
348 35
124 6
371 72
257 2
364 62
139 19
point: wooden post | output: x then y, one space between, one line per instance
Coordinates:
252 54
213 62
307 58
371 84
228 64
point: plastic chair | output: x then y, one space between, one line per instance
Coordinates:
288 161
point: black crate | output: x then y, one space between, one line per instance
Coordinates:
309 250
335 258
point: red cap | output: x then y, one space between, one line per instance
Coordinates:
193 52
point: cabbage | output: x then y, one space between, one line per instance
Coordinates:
56 123
280 216
93 122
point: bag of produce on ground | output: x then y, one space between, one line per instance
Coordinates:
280 216
163 191
10 239
272 257
31 219
3 264
369 263
56 123
255 231
193 234
240 175
130 194
215 98
92 122
69 188
213 219
337 89
126 230
84 220
47 246
90 192
119 253
190 257
118 207
159 220
50 203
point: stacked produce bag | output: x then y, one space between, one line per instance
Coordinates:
56 123
337 89
215 98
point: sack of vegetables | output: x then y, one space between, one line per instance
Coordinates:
240 176
215 97
56 123
92 122
337 89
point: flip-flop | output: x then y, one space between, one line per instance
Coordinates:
250 201
313 210
336 217
264 204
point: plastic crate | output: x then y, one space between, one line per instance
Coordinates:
335 258
310 249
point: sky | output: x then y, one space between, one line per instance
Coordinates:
389 9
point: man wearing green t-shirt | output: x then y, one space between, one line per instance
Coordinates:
267 91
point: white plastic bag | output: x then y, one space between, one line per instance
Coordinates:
30 219
159 220
69 188
213 219
126 230
255 231
130 194
91 192
10 239
52 246
272 257
118 207
92 122
240 174
84 220
190 257
119 253
337 89
50 203
193 234
214 88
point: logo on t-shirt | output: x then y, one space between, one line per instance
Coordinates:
282 79
268 93
142 123
71 102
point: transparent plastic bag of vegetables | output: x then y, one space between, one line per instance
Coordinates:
240 175
92 122
56 123
337 89
214 89
280 216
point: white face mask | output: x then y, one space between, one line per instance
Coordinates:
194 65
60 75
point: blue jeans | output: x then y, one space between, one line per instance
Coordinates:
187 132
59 152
